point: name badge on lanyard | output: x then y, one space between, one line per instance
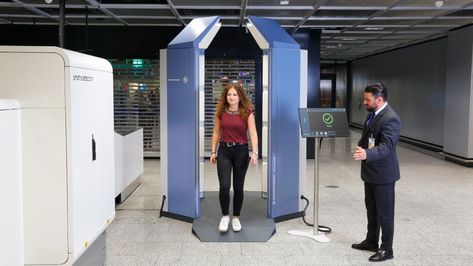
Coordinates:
371 142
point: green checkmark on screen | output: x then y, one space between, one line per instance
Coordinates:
327 118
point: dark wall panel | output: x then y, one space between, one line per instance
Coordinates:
310 40
235 43
415 78
128 42
103 41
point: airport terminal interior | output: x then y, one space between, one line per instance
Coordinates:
107 112
432 224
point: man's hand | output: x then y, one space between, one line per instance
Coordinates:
360 154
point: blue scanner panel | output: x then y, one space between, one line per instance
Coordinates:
272 32
182 112
194 32
284 132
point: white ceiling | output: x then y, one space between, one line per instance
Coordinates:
350 28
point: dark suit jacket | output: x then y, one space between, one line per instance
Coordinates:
381 165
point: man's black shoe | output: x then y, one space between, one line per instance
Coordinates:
364 245
381 255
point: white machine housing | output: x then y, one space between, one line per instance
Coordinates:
11 223
66 101
129 163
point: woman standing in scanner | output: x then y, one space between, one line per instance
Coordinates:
233 119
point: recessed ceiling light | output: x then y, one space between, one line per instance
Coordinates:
374 28
284 2
349 39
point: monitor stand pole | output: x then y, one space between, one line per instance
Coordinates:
314 234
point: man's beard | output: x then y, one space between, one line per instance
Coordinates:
371 109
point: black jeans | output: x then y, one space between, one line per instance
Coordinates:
232 158
379 201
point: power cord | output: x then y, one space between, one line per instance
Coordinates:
322 228
162 205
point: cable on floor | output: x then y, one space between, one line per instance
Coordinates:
162 205
322 228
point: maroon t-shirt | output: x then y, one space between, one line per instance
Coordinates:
234 128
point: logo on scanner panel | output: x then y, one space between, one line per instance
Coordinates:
184 80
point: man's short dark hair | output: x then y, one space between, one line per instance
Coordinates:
378 90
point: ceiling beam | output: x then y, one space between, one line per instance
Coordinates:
206 7
457 17
429 37
35 10
280 7
221 17
404 44
309 14
420 8
357 25
176 13
106 11
352 8
433 35
345 38
9 4
135 6
337 18
144 17
21 16
152 24
244 4
68 6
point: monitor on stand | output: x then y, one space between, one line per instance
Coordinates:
323 122
320 123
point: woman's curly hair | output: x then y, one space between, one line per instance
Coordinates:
245 107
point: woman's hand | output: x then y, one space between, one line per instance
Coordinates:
213 158
254 159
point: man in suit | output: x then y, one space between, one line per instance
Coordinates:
379 170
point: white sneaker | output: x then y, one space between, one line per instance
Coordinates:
236 225
223 226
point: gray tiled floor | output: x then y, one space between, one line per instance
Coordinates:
434 218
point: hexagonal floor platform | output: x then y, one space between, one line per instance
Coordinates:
256 226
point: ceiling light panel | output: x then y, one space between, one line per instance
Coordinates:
332 23
55 2
142 12
205 3
276 13
344 13
413 13
209 12
431 3
358 3
278 3
398 23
